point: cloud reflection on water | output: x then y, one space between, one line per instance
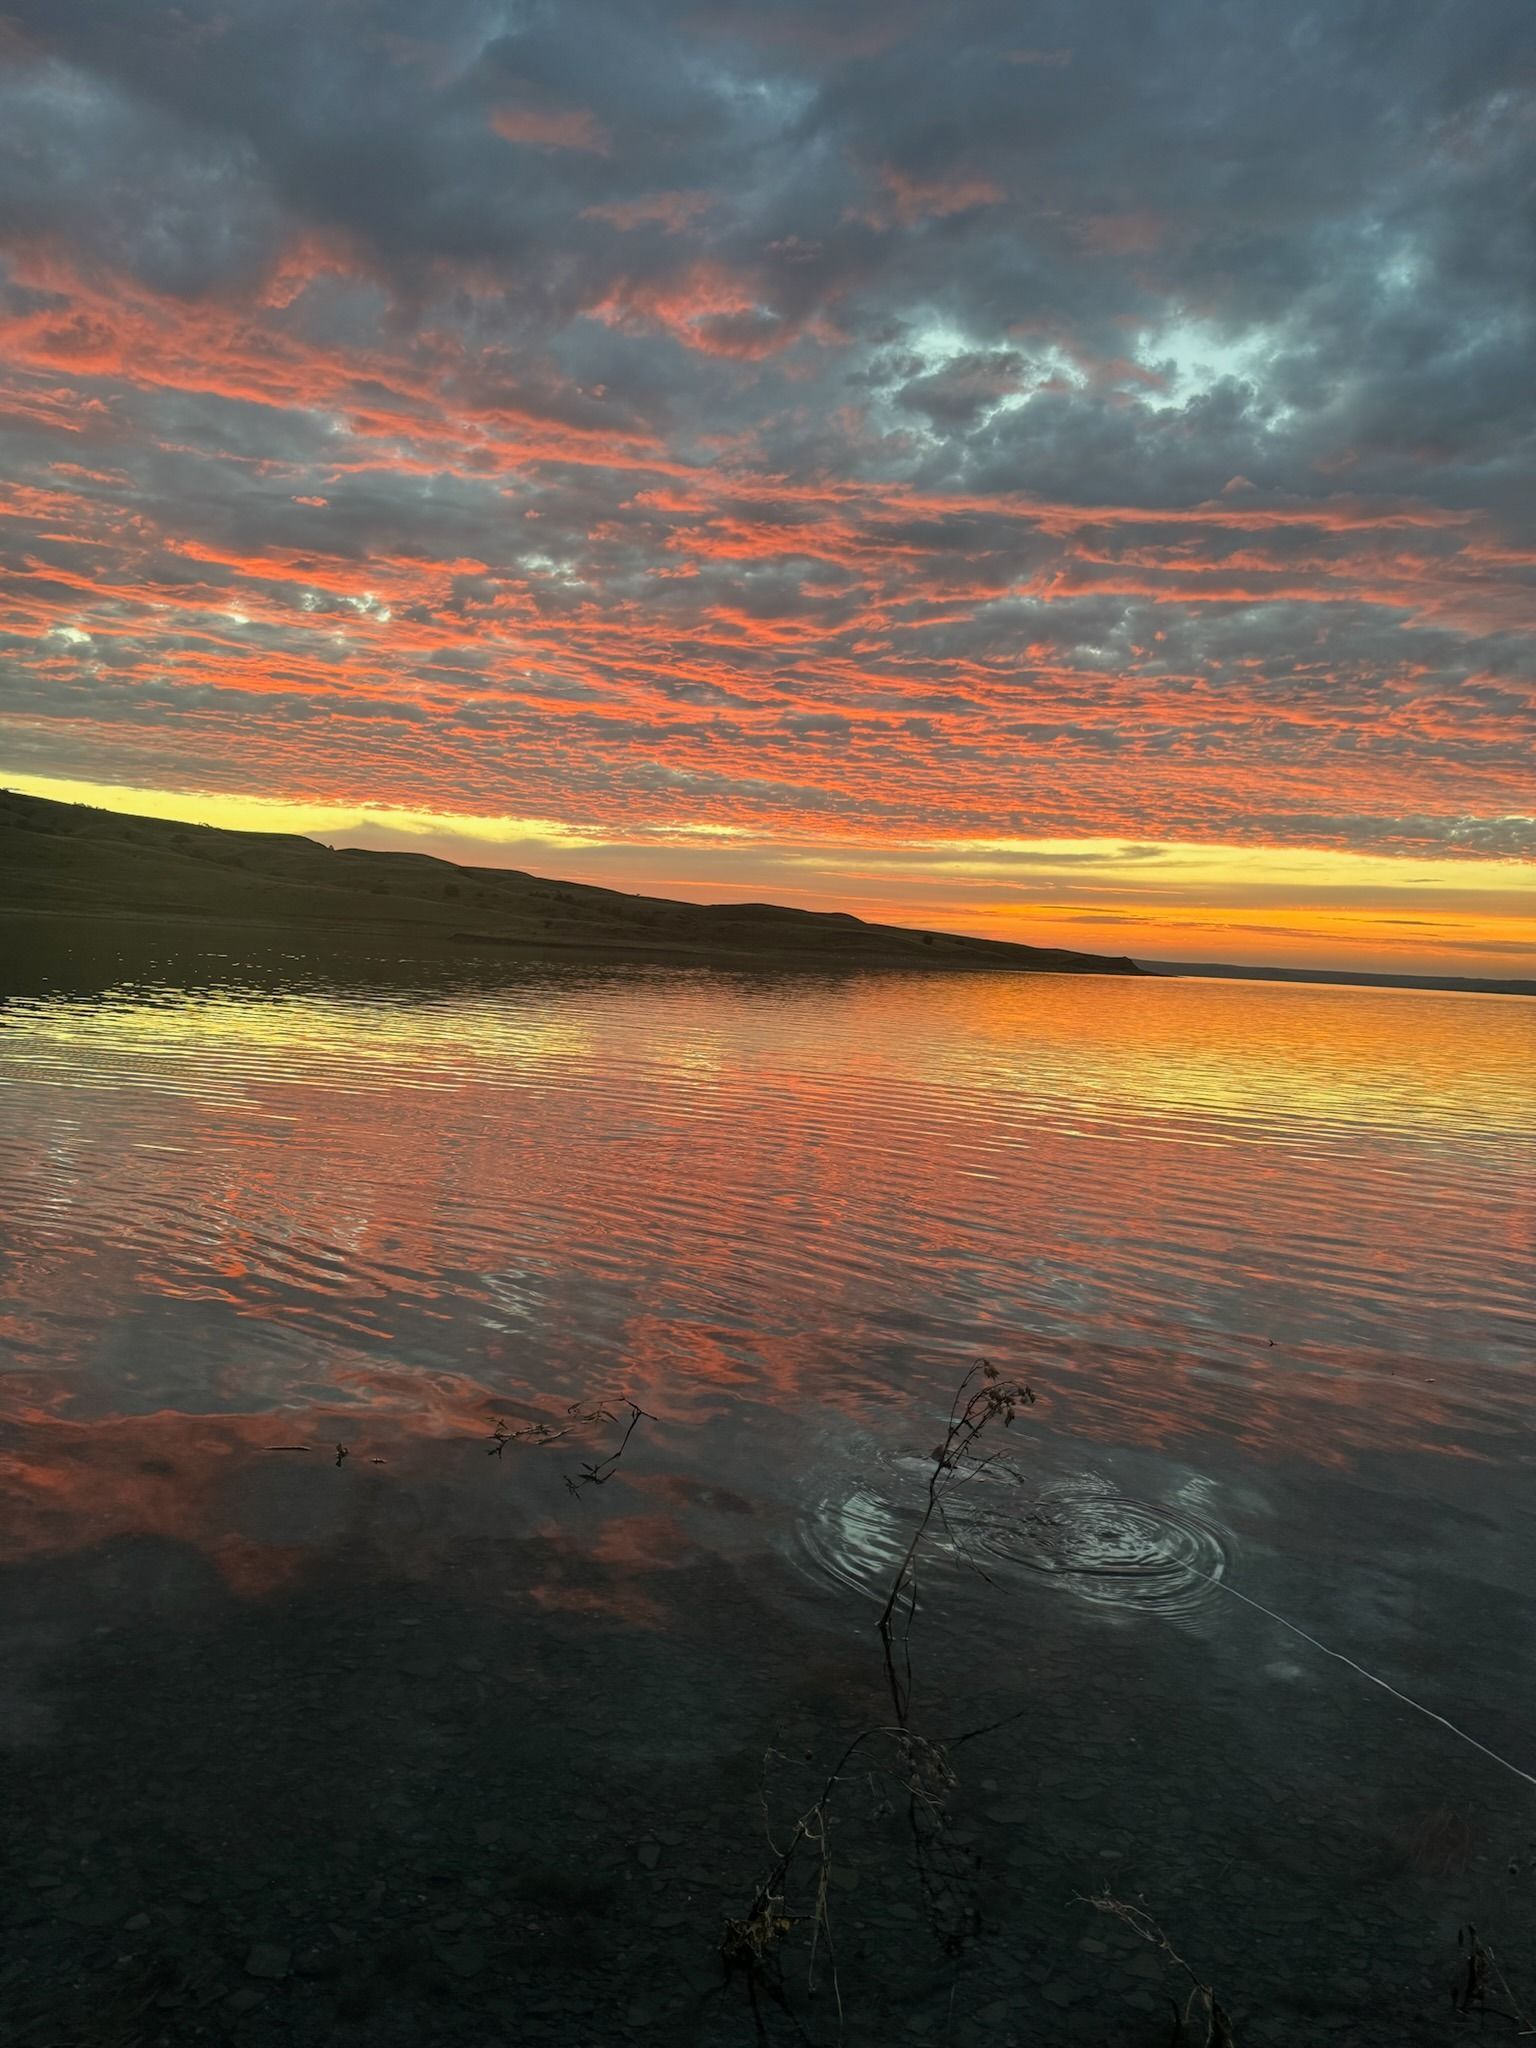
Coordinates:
245 1217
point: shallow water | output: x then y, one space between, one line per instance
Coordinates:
1264 1254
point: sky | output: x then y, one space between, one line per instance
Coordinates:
1061 471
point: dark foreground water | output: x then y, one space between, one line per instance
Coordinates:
416 1744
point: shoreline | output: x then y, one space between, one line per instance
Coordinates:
202 937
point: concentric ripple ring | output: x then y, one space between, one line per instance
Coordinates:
1079 1533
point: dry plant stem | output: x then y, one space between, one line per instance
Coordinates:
1201 2005
539 1433
340 1449
981 1399
919 1766
751 1944
1479 1971
601 1470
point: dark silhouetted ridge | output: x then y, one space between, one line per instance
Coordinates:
61 862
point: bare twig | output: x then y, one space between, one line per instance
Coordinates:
1478 1972
539 1433
893 1750
981 1399
600 1470
1201 2007
603 1469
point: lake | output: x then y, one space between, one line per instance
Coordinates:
360 1680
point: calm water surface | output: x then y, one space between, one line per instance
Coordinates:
1264 1253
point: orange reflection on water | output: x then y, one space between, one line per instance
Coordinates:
257 1496
1282 1221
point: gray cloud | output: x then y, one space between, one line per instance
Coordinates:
588 410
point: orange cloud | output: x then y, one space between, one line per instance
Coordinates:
705 307
909 199
671 210
549 128
446 560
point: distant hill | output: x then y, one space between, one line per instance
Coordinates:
1463 984
63 863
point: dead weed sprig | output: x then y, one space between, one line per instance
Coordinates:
1201 2021
982 1399
598 1471
601 1470
1478 1974
892 1755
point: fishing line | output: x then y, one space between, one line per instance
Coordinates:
1339 1657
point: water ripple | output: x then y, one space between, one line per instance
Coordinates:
1078 1533
798 1190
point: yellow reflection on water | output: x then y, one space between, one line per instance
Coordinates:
1270 1053
395 1043
1266 1051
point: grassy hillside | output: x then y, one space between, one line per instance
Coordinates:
65 862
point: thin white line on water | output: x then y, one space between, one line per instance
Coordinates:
1339 1657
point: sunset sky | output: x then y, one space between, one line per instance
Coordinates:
1058 471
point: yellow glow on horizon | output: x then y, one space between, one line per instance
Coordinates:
1278 905
284 814
1455 939
1186 865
